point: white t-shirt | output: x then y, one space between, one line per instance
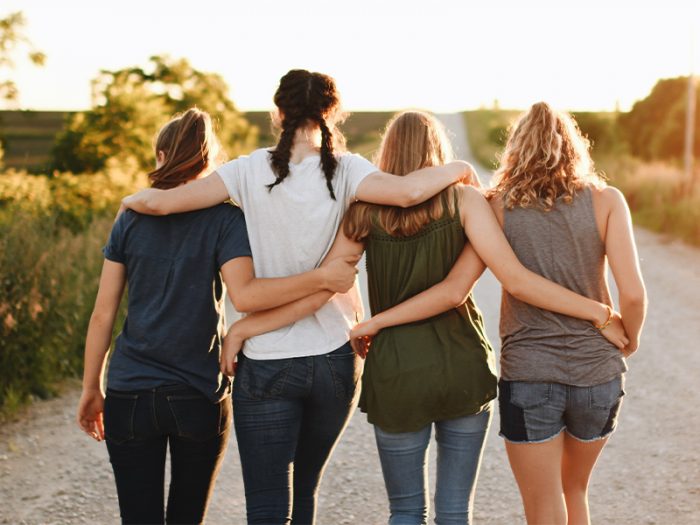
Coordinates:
291 229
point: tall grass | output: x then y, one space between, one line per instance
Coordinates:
657 194
51 233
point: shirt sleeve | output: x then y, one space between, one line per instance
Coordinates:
356 169
233 241
114 249
231 173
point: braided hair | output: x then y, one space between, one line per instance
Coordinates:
305 98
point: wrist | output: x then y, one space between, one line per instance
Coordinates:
92 389
603 316
376 322
237 331
322 279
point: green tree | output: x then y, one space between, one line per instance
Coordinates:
12 38
655 127
130 105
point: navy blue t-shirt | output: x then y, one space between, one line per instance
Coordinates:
175 316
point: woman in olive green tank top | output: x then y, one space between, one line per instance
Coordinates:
437 368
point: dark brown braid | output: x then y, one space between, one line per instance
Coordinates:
304 98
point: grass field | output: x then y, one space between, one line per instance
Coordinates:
28 136
362 129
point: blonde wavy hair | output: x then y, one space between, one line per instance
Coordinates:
546 157
412 140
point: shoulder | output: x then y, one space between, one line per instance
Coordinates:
468 194
608 196
226 211
243 161
352 160
126 219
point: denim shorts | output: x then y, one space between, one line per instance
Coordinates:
537 412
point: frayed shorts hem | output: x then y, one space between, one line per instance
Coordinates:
593 439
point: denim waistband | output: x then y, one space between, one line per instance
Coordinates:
176 388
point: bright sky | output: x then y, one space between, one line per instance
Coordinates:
440 55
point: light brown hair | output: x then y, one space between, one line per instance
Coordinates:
412 140
545 158
190 147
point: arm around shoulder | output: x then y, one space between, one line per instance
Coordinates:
413 188
198 194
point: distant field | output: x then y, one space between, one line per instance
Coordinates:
362 129
28 136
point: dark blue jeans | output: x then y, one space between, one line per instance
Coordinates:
138 427
288 415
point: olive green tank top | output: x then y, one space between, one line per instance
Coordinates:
439 368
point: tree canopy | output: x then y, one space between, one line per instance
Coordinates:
655 127
131 104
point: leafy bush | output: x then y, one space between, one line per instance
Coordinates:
657 195
51 232
655 127
133 103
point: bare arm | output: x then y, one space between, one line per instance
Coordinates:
99 337
484 232
414 188
251 294
624 263
268 320
196 195
449 293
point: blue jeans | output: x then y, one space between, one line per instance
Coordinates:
404 458
139 427
288 416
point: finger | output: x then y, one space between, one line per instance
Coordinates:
100 426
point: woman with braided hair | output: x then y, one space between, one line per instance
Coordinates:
297 384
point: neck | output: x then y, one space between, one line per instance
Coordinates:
306 143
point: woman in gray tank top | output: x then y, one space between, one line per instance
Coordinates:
561 382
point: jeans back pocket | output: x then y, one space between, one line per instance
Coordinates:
262 378
606 395
119 412
346 370
197 418
527 395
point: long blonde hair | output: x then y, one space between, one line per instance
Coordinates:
412 140
546 157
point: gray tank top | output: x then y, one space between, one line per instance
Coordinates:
564 246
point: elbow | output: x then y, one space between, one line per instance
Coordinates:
515 287
101 317
410 197
636 299
243 305
457 298
156 206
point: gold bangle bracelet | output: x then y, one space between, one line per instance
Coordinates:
607 321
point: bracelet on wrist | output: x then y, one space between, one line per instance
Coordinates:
607 321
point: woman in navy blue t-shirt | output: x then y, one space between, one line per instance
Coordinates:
164 387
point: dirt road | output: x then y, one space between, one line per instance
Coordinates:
50 473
